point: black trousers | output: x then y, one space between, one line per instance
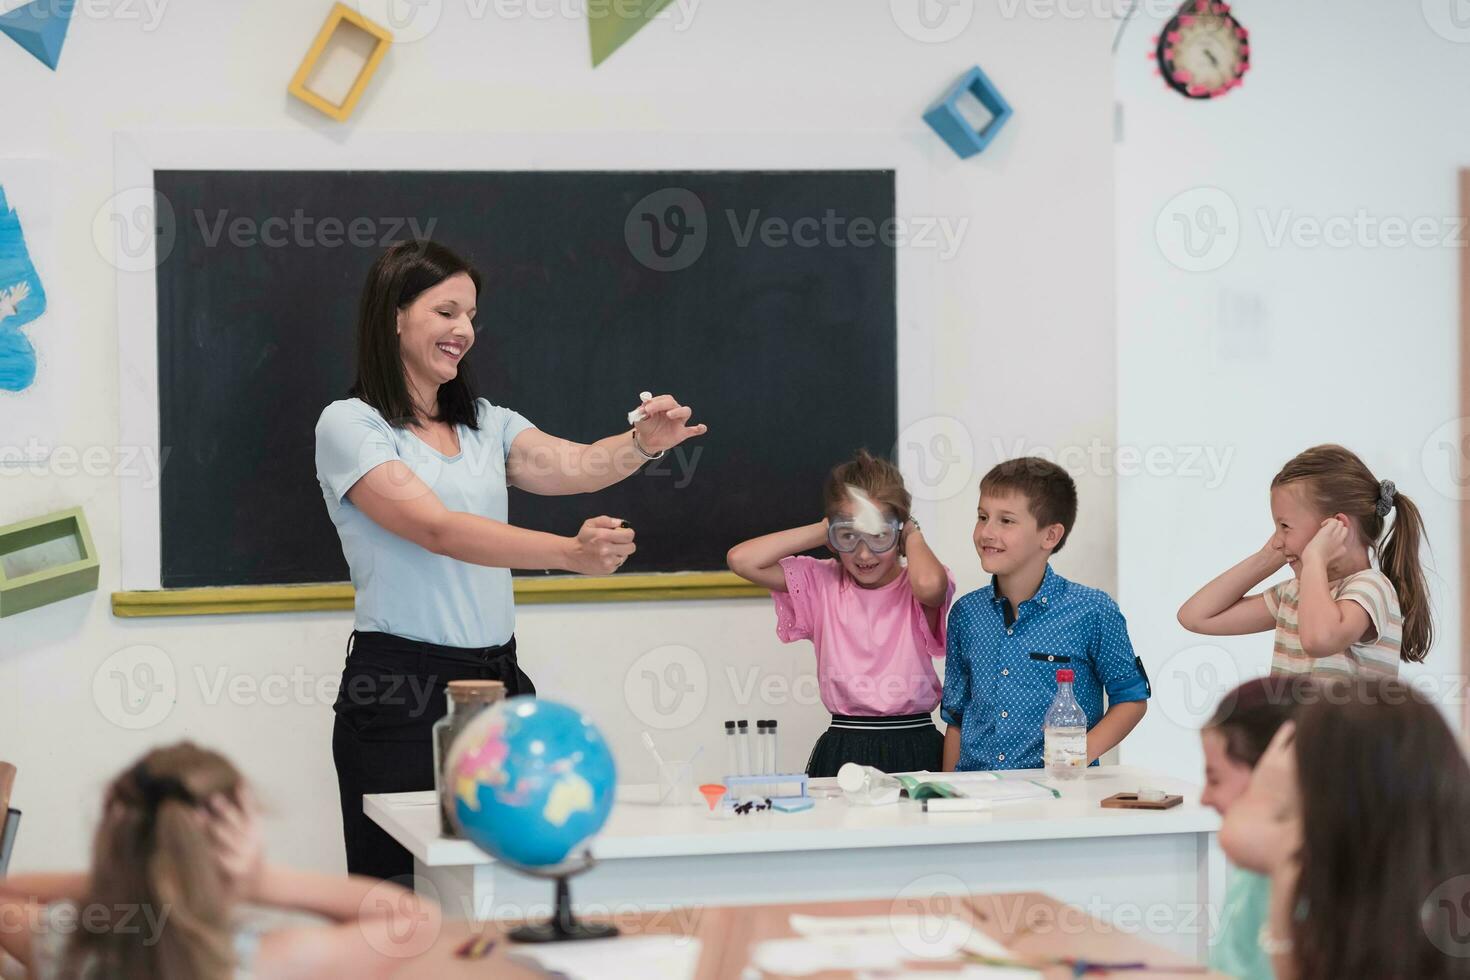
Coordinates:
391 694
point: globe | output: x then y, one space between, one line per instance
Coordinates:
532 781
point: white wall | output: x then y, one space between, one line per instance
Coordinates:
1023 351
1282 344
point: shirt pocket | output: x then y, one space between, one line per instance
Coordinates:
1040 671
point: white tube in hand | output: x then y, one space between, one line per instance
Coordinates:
638 415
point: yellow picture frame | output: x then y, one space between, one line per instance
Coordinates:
230 600
339 16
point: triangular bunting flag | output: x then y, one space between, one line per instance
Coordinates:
612 24
40 28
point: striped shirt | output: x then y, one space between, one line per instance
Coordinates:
1370 589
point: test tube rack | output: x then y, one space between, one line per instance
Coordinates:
781 780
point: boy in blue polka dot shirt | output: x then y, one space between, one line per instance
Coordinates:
1007 640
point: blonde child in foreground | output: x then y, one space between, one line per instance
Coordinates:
176 855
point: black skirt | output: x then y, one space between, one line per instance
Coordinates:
392 693
895 743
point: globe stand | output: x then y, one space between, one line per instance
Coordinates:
563 925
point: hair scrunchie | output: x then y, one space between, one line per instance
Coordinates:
1386 494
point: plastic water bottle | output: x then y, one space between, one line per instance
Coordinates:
866 786
1065 750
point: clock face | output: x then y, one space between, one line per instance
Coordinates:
1203 52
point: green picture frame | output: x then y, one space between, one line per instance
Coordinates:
46 559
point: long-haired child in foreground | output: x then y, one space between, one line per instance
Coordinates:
1234 739
1338 613
1357 812
176 855
877 620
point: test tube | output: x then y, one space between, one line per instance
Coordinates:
775 766
732 758
742 741
765 755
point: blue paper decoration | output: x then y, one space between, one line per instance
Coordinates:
40 28
946 120
22 299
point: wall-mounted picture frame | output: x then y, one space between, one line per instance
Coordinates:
44 560
341 62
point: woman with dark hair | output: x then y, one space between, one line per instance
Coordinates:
414 470
1358 811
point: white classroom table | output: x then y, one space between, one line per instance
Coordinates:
1147 872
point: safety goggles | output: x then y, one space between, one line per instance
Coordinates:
845 537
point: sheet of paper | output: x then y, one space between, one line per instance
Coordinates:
919 936
989 786
626 958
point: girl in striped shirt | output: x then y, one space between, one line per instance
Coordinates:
1340 612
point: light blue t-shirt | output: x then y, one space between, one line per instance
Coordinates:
402 588
1236 950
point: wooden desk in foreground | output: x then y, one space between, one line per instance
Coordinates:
1034 927
1146 872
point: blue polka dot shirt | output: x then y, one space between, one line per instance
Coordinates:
1000 672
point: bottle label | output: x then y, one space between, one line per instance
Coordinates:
1065 748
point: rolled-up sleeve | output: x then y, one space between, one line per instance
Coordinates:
1117 666
351 439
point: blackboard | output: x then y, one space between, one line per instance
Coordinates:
780 332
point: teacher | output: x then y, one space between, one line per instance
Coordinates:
414 469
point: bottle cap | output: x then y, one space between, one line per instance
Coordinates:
743 724
472 691
850 777
729 726
1066 676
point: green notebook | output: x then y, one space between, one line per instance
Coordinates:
919 790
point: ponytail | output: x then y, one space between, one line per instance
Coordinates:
1398 556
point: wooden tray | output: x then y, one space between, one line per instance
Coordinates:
1130 801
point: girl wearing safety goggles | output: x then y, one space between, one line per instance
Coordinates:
875 614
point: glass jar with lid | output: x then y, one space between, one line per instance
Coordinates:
466 700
